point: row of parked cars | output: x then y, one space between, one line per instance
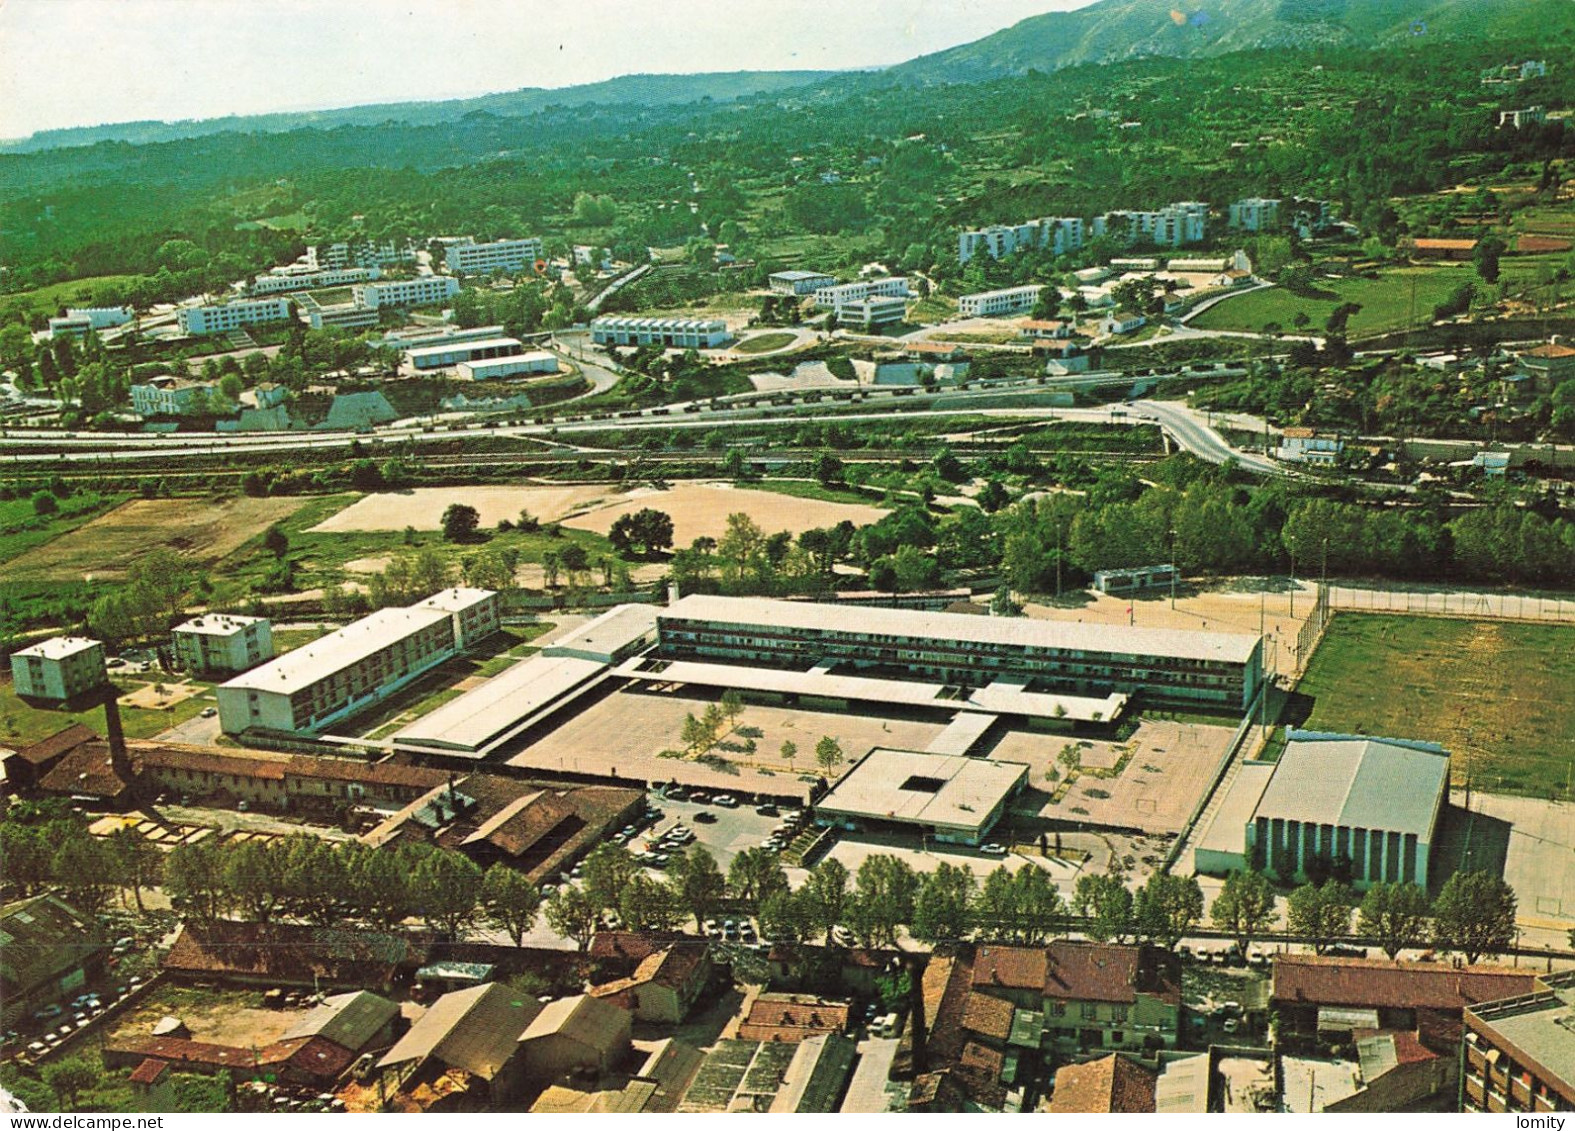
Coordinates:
59 1022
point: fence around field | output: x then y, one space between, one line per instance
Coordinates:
1500 606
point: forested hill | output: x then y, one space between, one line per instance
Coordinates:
647 90
1126 29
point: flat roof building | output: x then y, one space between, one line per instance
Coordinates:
988 304
58 669
799 282
303 691
511 256
1372 801
533 364
840 295
1038 655
877 310
421 339
281 282
423 291
1520 1052
222 643
221 319
450 354
673 333
952 798
79 320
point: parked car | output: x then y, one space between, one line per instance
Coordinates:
993 849
209 712
53 1009
700 797
705 818
766 810
726 801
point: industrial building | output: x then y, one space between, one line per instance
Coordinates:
421 291
951 798
223 318
449 354
1138 579
673 333
58 669
529 364
988 304
511 256
222 643
303 691
1017 654
799 282
1372 801
1520 1052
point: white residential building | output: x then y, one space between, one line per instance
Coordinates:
510 256
988 304
169 395
674 333
834 298
1183 222
1532 115
423 291
515 365
453 353
220 643
343 315
303 691
1303 445
799 282
281 281
359 253
1254 214
876 310
58 669
1121 322
229 316
79 320
1061 234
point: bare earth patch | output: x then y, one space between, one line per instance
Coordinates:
201 530
700 510
423 507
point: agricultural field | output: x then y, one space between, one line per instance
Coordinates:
201 530
22 528
1386 302
1495 694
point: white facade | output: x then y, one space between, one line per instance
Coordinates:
515 365
345 316
360 253
1122 322
1011 300
799 282
424 291
279 282
1172 226
867 313
232 315
512 256
453 353
834 298
422 339
1303 445
79 320
170 396
676 333
221 643
1254 214
1061 234
58 669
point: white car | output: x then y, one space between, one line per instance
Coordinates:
993 849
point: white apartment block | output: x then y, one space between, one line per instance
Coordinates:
170 396
344 315
58 669
876 310
219 643
1172 226
1254 214
988 304
799 282
280 282
318 684
1061 234
1515 119
511 256
423 291
675 333
79 320
359 253
535 363
834 298
232 315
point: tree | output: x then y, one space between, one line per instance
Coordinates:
993 496
447 888
1167 908
1320 914
606 871
71 1077
827 889
828 753
194 880
1474 914
1244 908
572 914
137 862
942 912
1105 902
254 877
788 750
512 901
883 902
1486 256
82 865
645 531
460 522
276 541
755 875
698 881
1003 604
45 503
648 904
1395 915
787 916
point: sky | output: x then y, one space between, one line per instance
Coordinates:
90 62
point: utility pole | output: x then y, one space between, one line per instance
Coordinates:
1292 549
1173 568
1058 559
1263 677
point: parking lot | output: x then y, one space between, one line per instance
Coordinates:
725 831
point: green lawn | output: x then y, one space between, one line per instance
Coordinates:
22 528
765 343
1386 302
21 723
1495 694
73 292
805 489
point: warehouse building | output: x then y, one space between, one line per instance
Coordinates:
450 354
222 642
674 333
1034 655
303 691
58 669
1372 801
954 799
532 364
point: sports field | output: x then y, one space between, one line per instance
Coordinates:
1386 302
1495 694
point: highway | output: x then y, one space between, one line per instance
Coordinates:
1183 426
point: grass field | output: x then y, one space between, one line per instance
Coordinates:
1385 302
21 723
23 529
1495 694
75 292
765 343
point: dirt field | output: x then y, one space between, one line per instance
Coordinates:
199 529
701 510
422 507
625 732
1167 767
221 1017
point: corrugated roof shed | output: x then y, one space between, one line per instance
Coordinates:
476 1029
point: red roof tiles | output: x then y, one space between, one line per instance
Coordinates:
1376 983
1101 1087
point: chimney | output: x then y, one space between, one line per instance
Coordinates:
119 760
672 593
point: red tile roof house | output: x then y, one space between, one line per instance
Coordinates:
791 1018
1095 997
287 954
1102 1087
1422 997
666 984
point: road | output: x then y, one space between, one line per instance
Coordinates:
1183 426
